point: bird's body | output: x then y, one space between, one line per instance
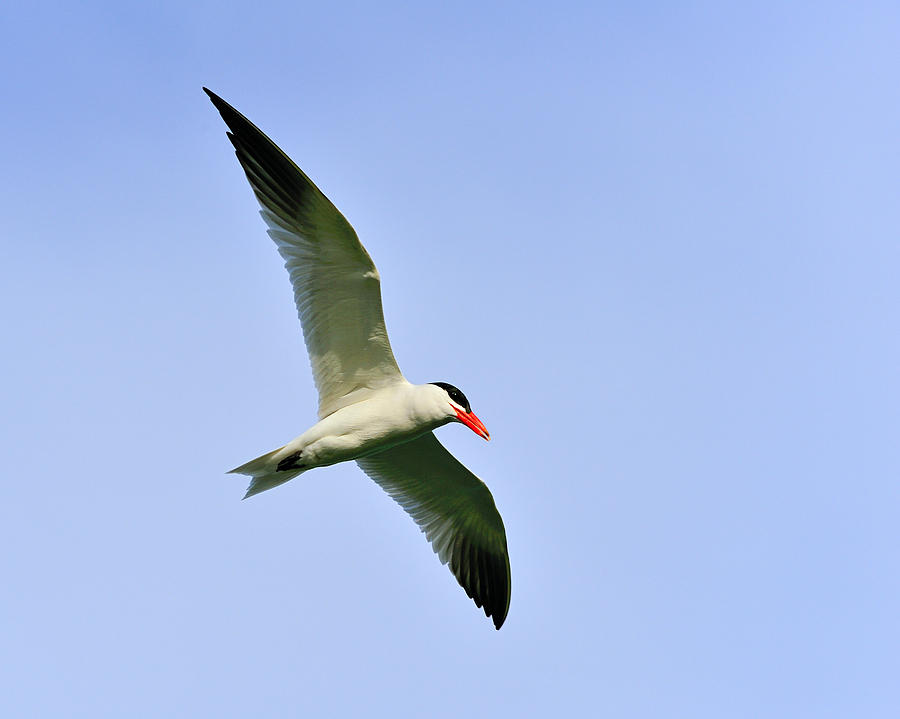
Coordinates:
385 418
368 411
391 416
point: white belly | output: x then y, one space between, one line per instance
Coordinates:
360 429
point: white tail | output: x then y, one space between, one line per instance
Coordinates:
265 474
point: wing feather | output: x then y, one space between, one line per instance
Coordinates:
456 512
337 288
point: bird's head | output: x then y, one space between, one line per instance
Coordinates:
459 410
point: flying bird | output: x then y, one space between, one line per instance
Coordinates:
368 411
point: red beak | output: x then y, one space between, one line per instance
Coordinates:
472 422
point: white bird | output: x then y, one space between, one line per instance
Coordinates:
368 411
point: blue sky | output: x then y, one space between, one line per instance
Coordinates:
655 244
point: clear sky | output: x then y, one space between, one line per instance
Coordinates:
656 244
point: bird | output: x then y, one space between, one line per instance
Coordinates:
368 411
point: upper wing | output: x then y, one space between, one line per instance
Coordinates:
336 286
457 513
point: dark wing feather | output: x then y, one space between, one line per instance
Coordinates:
456 512
337 289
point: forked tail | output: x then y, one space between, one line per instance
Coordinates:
265 473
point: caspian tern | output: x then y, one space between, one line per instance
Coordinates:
368 411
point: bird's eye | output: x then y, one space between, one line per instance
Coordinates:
460 399
454 394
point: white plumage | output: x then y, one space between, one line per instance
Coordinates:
368 411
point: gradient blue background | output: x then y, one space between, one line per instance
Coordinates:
656 245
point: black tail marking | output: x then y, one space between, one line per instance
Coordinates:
290 462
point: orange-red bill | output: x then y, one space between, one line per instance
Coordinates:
472 422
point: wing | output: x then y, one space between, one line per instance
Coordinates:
456 511
336 286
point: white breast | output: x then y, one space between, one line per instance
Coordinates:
388 417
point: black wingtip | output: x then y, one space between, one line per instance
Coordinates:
216 100
499 617
223 107
237 123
